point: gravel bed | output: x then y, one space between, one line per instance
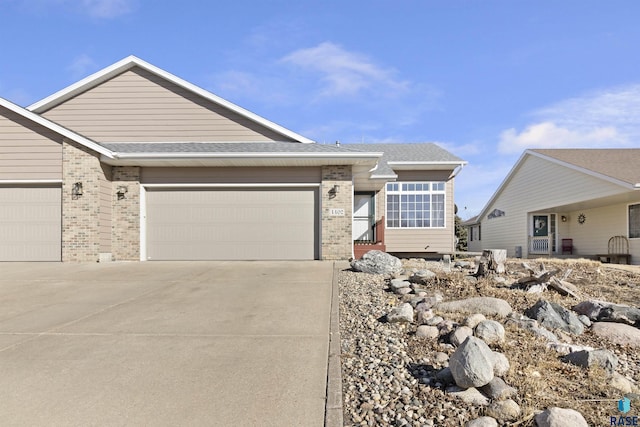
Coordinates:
380 379
389 374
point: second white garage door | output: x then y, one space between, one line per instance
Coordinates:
232 223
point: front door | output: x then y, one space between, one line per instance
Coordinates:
363 217
544 226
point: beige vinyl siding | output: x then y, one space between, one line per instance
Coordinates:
138 106
107 196
229 175
538 185
592 237
28 151
439 240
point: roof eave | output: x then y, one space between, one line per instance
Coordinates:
133 61
425 165
64 132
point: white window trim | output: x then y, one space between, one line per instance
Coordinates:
400 192
627 220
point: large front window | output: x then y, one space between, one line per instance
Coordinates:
415 204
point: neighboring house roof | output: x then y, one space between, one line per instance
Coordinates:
410 156
616 165
55 127
471 221
131 62
620 164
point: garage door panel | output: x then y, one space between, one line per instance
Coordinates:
228 224
30 223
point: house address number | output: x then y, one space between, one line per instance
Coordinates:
336 212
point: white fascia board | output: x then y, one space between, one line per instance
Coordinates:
56 128
182 155
132 61
589 172
415 165
29 181
502 185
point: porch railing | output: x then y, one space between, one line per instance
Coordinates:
541 245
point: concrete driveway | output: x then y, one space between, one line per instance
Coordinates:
155 343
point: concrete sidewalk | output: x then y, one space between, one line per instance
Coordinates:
173 344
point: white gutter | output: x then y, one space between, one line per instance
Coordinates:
271 155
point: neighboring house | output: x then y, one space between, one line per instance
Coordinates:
584 195
134 163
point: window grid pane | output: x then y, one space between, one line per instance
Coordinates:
415 204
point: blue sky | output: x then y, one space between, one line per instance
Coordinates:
484 79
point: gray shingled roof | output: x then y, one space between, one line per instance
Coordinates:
411 152
226 147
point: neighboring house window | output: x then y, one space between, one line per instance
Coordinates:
634 221
415 204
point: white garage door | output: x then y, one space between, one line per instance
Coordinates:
30 223
231 224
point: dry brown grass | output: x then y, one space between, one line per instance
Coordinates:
541 378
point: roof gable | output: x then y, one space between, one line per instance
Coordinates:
136 65
568 158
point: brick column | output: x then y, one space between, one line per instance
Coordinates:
126 214
80 214
337 239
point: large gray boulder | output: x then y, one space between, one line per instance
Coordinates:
554 316
586 359
472 363
557 417
602 311
487 306
617 333
377 262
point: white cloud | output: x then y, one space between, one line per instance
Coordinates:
81 66
345 73
108 8
604 118
550 135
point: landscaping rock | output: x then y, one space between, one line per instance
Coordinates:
560 417
429 332
531 325
402 313
490 331
423 313
554 316
602 311
472 363
621 383
617 333
501 364
458 336
586 359
473 320
445 376
487 306
422 277
497 389
482 422
396 284
470 395
377 262
506 410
